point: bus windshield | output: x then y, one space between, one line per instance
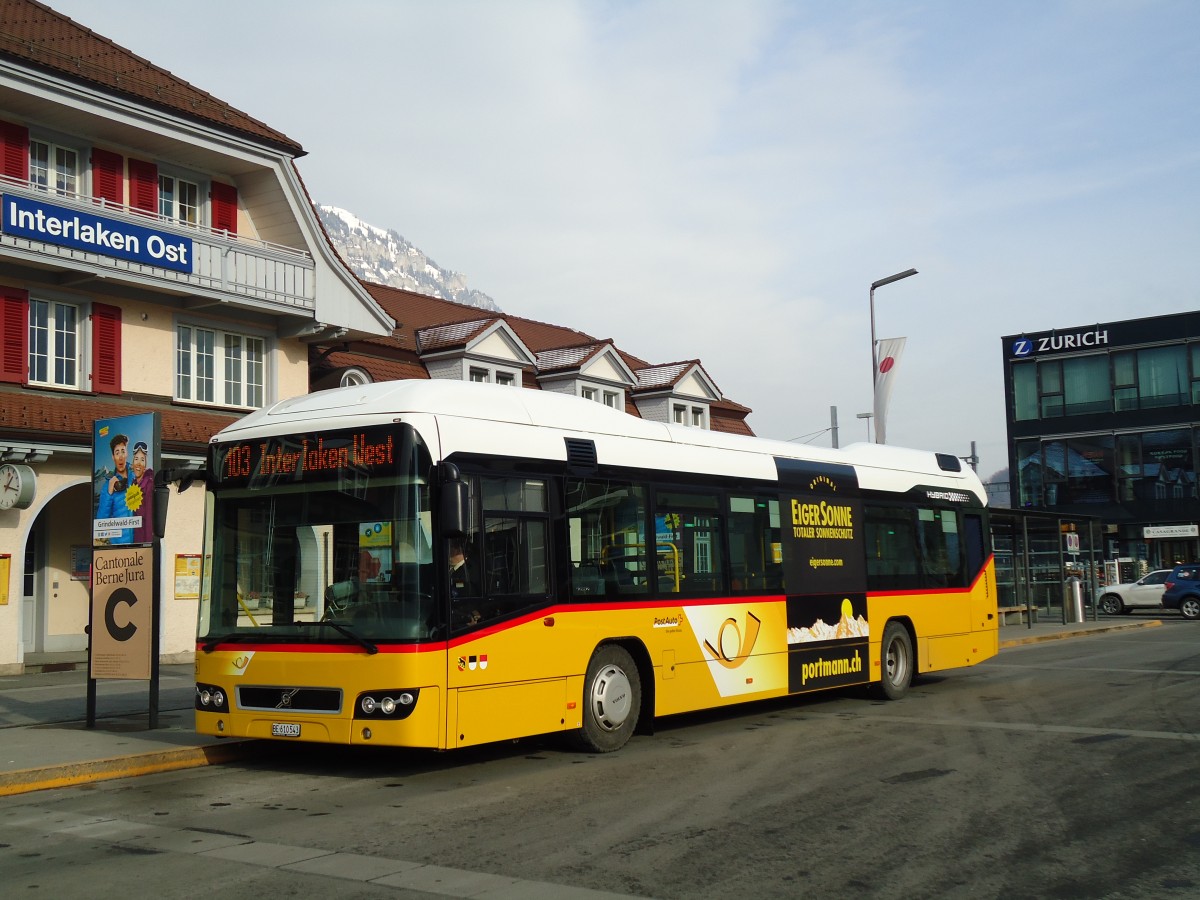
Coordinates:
321 556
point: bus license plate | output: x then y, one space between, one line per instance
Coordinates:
285 729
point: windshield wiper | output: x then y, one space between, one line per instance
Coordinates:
232 638
343 629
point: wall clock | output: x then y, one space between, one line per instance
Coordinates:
17 486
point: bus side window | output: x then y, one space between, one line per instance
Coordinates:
513 544
754 548
606 539
941 549
690 543
892 554
976 545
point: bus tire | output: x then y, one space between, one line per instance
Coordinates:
897 662
612 700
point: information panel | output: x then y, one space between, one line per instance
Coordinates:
315 457
122 612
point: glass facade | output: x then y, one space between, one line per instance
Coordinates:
1148 378
1104 422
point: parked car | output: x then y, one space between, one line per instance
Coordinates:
1147 591
1183 590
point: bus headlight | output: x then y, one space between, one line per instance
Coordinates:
389 704
210 698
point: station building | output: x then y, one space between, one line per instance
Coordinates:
1102 424
160 254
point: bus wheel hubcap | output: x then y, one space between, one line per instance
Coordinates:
610 698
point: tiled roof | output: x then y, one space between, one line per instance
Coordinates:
661 376
27 416
568 357
379 368
455 334
413 312
42 38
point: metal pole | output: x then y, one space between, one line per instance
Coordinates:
874 353
833 425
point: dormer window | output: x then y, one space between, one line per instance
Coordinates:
690 416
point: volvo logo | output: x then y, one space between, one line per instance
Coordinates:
285 699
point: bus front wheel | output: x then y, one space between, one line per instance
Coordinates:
612 699
897 657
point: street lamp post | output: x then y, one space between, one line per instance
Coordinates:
867 416
874 350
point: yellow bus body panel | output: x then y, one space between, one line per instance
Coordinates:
526 677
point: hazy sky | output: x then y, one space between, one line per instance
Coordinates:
724 180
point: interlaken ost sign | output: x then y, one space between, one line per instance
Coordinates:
53 224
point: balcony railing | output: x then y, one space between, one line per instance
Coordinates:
224 267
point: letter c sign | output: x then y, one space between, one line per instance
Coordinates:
119 632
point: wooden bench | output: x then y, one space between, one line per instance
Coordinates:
1020 612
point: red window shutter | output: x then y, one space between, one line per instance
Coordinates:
14 151
14 335
107 183
224 207
143 186
106 349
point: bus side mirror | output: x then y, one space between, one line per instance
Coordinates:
161 496
454 509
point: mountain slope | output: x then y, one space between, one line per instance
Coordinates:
384 257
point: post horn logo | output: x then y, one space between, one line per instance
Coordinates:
745 643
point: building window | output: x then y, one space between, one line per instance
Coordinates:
1194 353
54 343
1086 387
1025 391
178 200
54 168
1124 375
1050 376
1163 377
481 376
589 393
505 378
691 416
354 378
219 367
612 399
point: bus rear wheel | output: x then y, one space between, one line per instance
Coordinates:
896 654
612 700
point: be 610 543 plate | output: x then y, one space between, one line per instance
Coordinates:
285 729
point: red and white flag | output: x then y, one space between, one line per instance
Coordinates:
889 352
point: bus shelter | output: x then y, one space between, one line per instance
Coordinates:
1037 556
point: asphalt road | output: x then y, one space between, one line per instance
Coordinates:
1063 769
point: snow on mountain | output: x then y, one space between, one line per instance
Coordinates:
384 257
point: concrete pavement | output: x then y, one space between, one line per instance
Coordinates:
44 741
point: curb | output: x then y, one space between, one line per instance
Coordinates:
1082 632
26 781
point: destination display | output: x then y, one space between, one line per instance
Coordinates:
314 457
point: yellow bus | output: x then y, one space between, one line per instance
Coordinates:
439 564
